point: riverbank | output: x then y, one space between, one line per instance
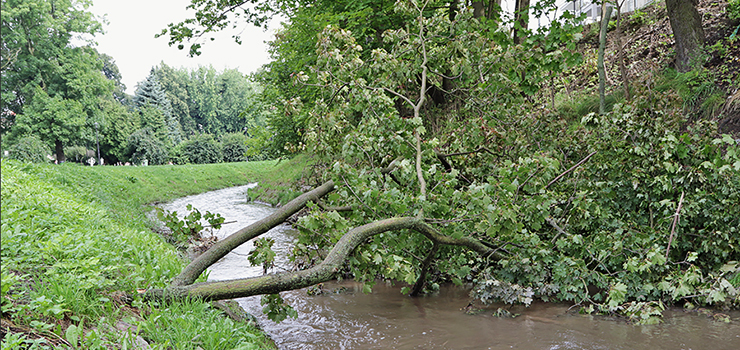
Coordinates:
76 240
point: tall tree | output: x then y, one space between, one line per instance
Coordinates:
174 82
150 95
687 31
56 120
111 71
234 91
53 87
204 101
35 35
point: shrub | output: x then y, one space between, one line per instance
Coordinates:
143 144
177 154
202 149
30 149
234 147
75 153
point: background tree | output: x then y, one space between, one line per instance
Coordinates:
55 120
203 99
235 92
151 96
35 36
59 91
119 123
687 31
110 70
174 82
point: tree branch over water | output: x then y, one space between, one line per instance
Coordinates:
191 272
324 271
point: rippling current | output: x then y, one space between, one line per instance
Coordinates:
385 319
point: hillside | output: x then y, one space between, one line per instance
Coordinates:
712 92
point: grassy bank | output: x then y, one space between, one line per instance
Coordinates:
74 238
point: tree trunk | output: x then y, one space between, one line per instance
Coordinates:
522 19
620 53
478 9
191 272
687 31
488 9
325 271
59 149
600 64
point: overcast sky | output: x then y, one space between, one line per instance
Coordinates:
129 39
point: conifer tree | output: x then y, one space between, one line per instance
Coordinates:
150 93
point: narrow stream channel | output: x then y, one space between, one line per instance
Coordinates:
385 319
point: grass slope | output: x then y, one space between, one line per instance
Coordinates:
74 238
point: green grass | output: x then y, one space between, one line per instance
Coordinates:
279 187
74 237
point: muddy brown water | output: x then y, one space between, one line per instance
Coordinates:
386 319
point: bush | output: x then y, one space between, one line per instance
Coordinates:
177 154
30 149
202 149
143 144
234 147
76 153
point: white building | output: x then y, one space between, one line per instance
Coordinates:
593 11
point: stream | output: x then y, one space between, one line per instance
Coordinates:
386 319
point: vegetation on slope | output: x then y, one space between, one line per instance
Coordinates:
76 240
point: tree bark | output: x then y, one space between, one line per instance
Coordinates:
325 271
488 9
59 149
522 18
687 31
620 53
600 64
191 272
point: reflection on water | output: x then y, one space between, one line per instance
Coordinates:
385 319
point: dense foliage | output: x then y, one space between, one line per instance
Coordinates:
234 147
145 147
72 96
625 212
30 149
202 149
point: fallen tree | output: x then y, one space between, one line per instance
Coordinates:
324 271
191 272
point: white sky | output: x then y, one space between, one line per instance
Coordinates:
129 39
